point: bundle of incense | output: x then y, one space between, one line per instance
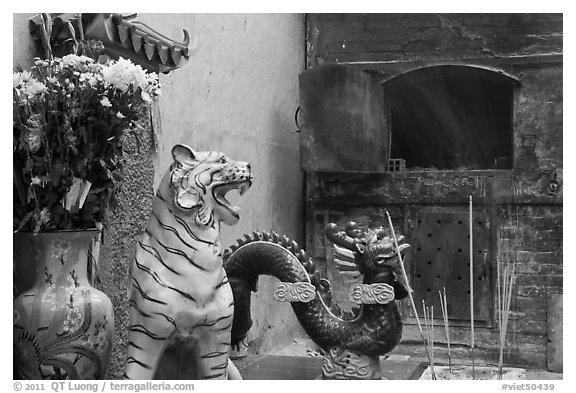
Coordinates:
506 280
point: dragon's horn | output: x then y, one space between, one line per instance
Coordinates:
340 238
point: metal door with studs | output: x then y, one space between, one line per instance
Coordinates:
440 258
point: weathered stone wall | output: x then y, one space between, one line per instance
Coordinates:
522 206
408 38
123 227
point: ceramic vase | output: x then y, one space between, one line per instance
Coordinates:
63 327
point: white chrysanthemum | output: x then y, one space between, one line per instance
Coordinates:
75 61
153 87
89 78
105 102
146 97
153 79
40 62
19 78
122 74
34 88
93 81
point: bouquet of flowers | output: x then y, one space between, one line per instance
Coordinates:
69 117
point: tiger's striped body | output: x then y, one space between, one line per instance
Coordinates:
178 284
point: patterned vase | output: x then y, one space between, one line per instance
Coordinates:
63 327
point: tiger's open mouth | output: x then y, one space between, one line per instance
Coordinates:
219 194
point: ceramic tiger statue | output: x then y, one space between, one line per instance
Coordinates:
178 284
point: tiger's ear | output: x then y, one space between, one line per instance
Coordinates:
183 153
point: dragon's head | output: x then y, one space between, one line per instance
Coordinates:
372 253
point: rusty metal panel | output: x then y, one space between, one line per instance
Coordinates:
342 119
441 258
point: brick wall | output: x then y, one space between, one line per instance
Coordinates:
522 207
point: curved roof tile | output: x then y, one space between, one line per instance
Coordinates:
122 36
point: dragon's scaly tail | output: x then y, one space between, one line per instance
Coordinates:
260 261
263 253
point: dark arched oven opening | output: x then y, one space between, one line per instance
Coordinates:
451 117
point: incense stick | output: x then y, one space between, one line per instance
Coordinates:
444 307
431 317
500 310
405 276
429 326
471 291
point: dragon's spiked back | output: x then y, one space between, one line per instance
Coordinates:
370 252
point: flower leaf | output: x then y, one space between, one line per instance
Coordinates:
25 220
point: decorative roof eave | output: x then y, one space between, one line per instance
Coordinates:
122 36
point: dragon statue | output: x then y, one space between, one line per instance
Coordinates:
352 343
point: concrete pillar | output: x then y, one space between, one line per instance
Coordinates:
555 317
